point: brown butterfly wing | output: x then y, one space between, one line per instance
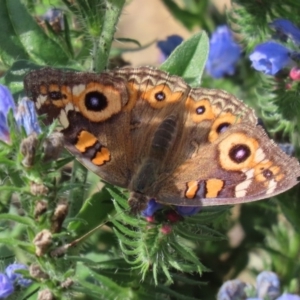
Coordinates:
88 108
241 165
108 119
186 117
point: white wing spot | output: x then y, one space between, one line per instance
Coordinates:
78 89
63 119
241 188
40 101
271 186
259 155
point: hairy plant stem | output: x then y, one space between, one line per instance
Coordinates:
102 45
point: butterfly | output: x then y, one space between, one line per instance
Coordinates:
151 133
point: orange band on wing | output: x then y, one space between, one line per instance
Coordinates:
85 140
102 156
213 187
192 188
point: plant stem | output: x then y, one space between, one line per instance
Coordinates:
101 48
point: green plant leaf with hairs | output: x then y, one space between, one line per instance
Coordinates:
34 40
188 59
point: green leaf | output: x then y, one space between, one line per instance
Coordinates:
206 234
10 45
188 19
123 229
186 253
14 77
64 161
17 243
117 195
107 290
128 242
94 212
208 215
18 219
77 195
34 40
126 218
188 59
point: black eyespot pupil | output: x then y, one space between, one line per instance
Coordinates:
239 153
160 96
95 101
200 110
223 127
55 95
267 173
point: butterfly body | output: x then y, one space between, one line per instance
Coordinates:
150 132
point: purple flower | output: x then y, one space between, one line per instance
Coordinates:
17 277
6 286
267 285
6 103
166 47
26 116
288 297
232 290
152 207
223 54
286 28
270 57
188 210
54 16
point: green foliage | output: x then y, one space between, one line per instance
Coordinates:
278 101
162 246
188 59
251 18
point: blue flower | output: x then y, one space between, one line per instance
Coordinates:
286 28
6 286
288 297
26 116
166 47
267 285
152 207
270 57
232 290
223 54
188 210
17 277
6 103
